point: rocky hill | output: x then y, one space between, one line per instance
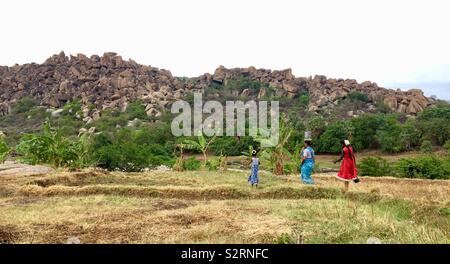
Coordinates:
106 81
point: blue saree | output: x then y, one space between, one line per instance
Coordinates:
307 166
253 178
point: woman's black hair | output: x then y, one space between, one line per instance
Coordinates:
309 142
254 152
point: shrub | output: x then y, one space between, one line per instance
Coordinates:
50 147
191 164
130 150
427 167
24 105
356 96
426 146
447 145
435 112
4 150
382 107
212 165
136 109
231 146
284 239
374 166
303 99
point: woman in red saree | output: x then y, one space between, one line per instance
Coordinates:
348 171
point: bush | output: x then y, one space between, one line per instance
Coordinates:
426 167
383 108
231 146
24 105
426 146
212 165
130 150
191 164
356 96
435 112
374 166
4 150
303 99
284 239
447 145
50 147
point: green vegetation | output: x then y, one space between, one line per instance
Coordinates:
426 147
356 96
24 105
4 150
202 144
133 149
191 164
50 147
374 166
447 145
276 155
425 167
132 141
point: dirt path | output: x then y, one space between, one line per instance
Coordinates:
18 169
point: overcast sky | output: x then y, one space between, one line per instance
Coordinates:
394 43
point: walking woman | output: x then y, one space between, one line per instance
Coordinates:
348 171
307 165
253 179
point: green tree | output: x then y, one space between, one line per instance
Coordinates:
437 130
364 131
389 135
410 135
330 140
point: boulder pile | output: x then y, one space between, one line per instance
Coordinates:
108 81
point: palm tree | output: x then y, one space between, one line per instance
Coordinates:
202 144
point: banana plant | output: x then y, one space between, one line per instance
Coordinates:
277 154
202 144
248 156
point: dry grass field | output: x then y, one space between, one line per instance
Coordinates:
219 207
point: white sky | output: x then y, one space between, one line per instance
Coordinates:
383 41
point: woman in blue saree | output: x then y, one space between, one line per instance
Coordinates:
253 179
307 165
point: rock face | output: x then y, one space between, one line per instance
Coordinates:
325 91
109 81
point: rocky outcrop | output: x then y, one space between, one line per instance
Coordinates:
104 82
325 91
109 81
